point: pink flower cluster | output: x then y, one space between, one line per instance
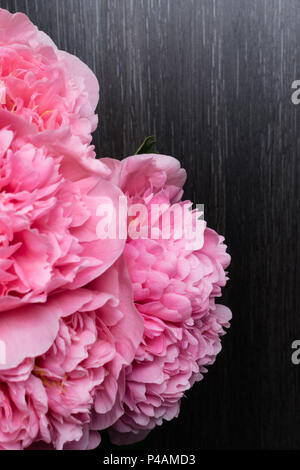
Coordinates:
97 333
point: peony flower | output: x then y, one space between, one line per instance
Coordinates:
95 333
22 413
48 87
146 175
55 400
174 291
67 316
50 189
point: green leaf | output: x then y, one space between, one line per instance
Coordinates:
148 146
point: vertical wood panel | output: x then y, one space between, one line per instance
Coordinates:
212 80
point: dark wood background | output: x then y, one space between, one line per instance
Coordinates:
212 80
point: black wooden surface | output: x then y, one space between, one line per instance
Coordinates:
212 80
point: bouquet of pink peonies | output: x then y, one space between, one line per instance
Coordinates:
108 279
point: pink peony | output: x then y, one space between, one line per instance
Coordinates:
68 336
67 316
57 398
48 87
50 192
94 333
174 292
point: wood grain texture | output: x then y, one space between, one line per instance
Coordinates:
212 80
